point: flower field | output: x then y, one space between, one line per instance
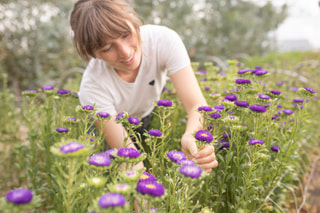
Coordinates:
262 120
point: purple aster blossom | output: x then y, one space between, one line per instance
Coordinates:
275 148
301 105
176 155
62 129
103 114
215 115
309 90
261 72
258 108
241 103
223 144
275 117
155 132
191 171
264 97
30 93
279 106
294 89
204 136
88 108
258 67
206 88
48 87
19 196
279 83
128 152
63 92
153 189
275 92
205 108
222 74
253 141
185 161
134 120
297 100
226 135
244 71
165 103
201 72
111 153
183 120
119 116
72 119
203 79
231 97
99 160
71 147
111 200
219 108
287 111
147 177
243 81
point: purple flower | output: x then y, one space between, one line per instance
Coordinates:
71 147
62 129
63 92
215 115
88 108
111 153
279 83
30 93
206 88
134 120
201 72
261 72
183 120
309 90
185 161
287 111
244 71
223 144
241 103
275 92
145 176
128 152
253 141
275 148
219 108
176 155
204 136
119 116
153 189
71 119
243 81
205 108
112 200
155 132
103 114
49 87
99 160
231 97
19 196
297 100
165 103
191 171
258 108
264 97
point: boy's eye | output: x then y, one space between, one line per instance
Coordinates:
106 49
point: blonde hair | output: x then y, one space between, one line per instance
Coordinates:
93 22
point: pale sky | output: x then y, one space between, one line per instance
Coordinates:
303 21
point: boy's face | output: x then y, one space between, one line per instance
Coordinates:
123 53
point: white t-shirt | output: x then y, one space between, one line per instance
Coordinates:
163 52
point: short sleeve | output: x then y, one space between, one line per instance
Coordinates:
91 94
173 51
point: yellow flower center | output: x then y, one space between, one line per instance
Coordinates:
204 134
143 176
151 186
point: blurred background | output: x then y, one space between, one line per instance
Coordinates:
36 47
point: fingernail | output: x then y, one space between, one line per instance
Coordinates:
196 155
